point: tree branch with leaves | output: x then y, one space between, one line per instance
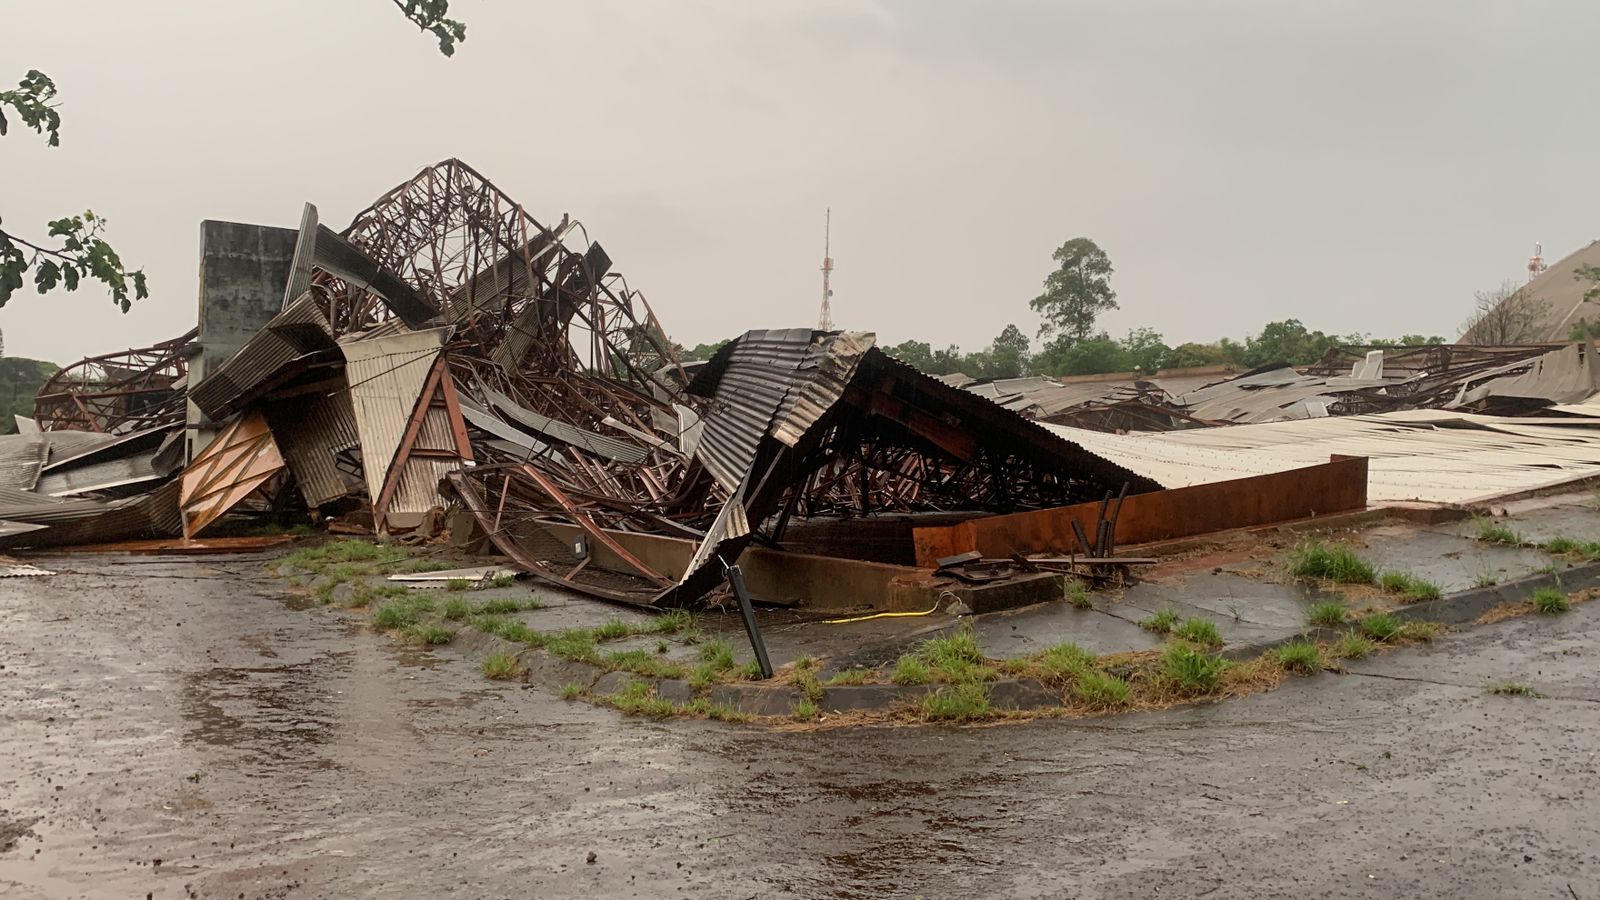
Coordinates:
83 254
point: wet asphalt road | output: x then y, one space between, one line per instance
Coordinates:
175 728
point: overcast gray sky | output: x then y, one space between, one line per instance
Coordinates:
1361 166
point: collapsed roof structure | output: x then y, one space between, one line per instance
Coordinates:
448 352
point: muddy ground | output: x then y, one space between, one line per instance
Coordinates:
177 727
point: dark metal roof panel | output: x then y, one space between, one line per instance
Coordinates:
299 331
567 433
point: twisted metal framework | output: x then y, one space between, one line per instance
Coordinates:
121 392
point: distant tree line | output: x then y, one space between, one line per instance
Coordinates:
1074 296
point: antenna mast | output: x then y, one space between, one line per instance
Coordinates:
825 323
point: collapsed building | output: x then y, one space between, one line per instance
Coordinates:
448 365
448 362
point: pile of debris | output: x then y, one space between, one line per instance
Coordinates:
1515 380
446 362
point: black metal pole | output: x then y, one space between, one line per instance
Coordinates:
736 581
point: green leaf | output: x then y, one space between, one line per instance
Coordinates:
70 275
46 275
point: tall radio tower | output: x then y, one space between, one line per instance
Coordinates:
1536 264
825 323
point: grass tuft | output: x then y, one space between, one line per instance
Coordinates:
576 644
638 698
503 580
611 629
1509 689
1329 614
1199 631
1300 657
1353 645
957 703
671 622
1329 562
456 609
909 669
1100 690
1380 626
718 654
1077 594
397 614
430 635
806 710
571 690
1549 601
1492 532
853 675
1064 662
955 658
500 606
641 662
1561 546
457 585
501 666
1409 587
1193 671
1160 623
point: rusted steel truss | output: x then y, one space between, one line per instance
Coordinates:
117 393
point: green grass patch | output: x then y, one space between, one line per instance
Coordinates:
1192 671
1328 614
430 635
1485 580
806 710
910 669
371 556
671 622
1353 645
1409 587
1199 631
457 585
1509 689
955 658
499 606
575 644
1100 690
1492 532
503 580
1064 662
399 613
751 671
638 698
640 662
611 629
1561 546
1160 623
1077 594
500 666
957 703
1300 657
1380 626
572 690
455 609
1549 601
1329 562
717 654
852 675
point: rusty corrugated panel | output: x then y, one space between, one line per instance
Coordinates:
434 444
300 330
311 432
232 467
387 375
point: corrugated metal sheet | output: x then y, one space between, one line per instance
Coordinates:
149 515
598 444
1566 375
101 475
749 381
83 449
1427 455
26 506
298 331
21 458
338 256
386 376
311 433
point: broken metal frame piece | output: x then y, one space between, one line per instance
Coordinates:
232 467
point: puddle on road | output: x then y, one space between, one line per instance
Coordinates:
273 714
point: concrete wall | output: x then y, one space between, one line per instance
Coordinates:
243 272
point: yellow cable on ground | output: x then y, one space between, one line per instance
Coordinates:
887 615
